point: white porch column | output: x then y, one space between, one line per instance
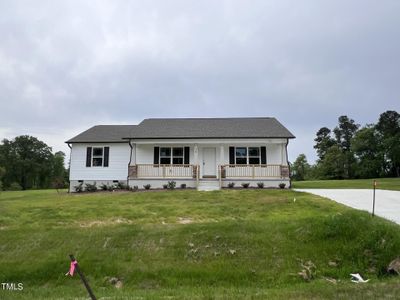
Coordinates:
196 154
221 155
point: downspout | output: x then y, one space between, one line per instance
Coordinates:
69 169
130 160
287 161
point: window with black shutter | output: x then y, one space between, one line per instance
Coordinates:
88 156
97 156
171 155
247 155
156 155
231 155
263 155
106 156
187 155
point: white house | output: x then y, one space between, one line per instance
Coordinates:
203 153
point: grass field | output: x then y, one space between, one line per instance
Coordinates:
230 244
382 183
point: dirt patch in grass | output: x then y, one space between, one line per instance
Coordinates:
188 220
109 222
184 220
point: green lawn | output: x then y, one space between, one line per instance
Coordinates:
382 183
230 244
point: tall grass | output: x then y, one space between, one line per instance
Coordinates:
188 244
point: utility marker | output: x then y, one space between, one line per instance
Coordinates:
373 199
75 267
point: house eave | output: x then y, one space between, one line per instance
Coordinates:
203 138
97 142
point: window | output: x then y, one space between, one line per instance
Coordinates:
241 155
172 155
247 155
254 155
165 156
97 157
177 156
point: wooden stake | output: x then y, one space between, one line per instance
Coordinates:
373 200
83 278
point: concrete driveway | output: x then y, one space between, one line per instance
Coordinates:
387 203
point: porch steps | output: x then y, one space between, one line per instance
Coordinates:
208 185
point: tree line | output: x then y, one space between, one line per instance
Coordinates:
26 163
351 151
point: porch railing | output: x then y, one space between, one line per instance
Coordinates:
254 171
163 171
192 171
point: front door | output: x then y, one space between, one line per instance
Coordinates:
209 161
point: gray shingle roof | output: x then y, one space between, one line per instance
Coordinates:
103 133
211 128
187 128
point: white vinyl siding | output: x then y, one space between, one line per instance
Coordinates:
117 165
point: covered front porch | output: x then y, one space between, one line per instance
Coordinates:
195 164
158 175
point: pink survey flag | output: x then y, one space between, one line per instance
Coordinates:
71 268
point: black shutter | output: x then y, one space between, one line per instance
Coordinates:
187 155
156 155
88 156
231 155
263 155
106 156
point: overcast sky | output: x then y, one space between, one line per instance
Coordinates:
66 66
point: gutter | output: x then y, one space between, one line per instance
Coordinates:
205 137
287 160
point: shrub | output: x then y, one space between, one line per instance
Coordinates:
231 185
282 185
147 186
171 185
79 188
15 186
90 187
183 186
121 186
104 187
165 186
1 185
260 185
245 185
134 188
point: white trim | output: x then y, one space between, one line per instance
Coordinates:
254 141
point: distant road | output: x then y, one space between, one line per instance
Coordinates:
387 203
